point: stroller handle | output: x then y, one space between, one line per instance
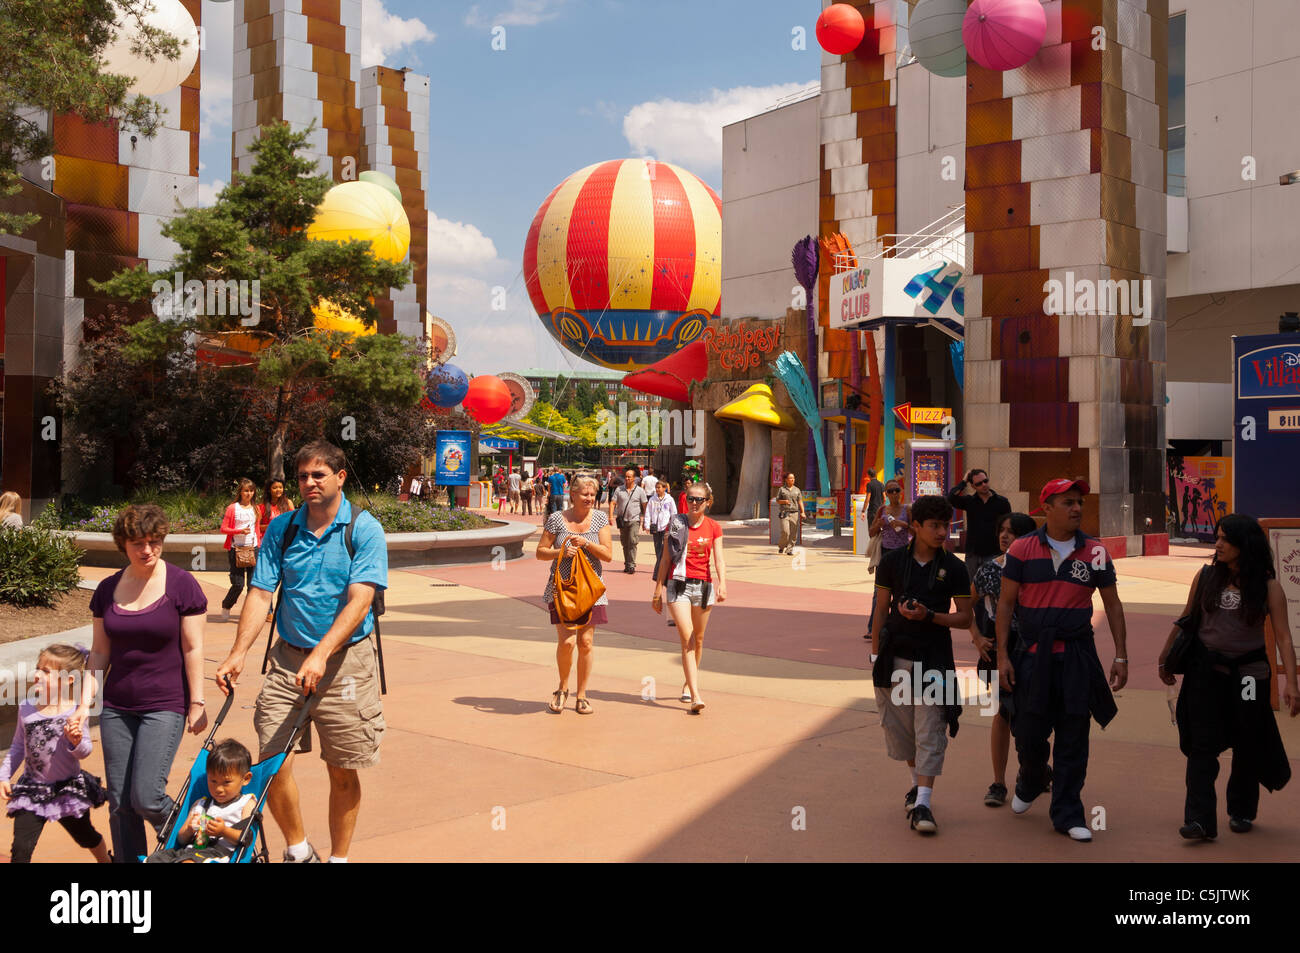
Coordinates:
221 715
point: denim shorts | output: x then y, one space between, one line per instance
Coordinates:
698 592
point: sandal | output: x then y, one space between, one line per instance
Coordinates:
558 698
583 707
697 708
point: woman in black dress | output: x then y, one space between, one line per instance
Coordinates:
1224 701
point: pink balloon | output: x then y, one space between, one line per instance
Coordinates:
1004 34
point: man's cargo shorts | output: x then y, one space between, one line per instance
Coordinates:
347 712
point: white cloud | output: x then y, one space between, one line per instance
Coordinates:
208 192
488 341
384 33
520 13
458 245
691 133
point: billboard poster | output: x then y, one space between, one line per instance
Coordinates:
452 457
928 465
1200 493
1285 543
1266 425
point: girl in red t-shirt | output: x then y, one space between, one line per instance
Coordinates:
692 590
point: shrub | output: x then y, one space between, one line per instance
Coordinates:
198 513
36 566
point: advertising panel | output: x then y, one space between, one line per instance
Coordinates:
1202 494
452 458
1265 435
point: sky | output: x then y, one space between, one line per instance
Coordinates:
579 81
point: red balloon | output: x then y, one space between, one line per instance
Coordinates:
840 29
487 400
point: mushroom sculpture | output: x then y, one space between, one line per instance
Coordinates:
757 410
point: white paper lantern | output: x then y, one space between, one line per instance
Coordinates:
161 75
934 33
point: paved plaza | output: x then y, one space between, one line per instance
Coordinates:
787 763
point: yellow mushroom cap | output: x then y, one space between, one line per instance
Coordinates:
756 404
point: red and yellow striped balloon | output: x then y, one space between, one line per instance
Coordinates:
623 261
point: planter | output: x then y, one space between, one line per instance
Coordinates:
199 552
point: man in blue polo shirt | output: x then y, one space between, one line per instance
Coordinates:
324 622
556 482
1054 671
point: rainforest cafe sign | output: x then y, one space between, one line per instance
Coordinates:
740 347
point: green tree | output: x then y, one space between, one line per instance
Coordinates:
52 61
587 397
544 392
563 393
544 415
257 231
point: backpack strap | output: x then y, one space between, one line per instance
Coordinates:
290 534
376 605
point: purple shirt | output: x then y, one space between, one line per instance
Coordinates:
40 740
146 663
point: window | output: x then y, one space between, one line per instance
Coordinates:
1176 167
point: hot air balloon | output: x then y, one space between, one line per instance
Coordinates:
934 33
1004 34
385 182
363 211
446 385
330 317
487 399
623 262
840 29
160 75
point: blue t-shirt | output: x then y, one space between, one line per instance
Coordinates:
317 572
556 480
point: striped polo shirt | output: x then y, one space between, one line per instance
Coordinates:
1048 596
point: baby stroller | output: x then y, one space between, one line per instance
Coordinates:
251 847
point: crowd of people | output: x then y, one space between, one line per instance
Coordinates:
317 573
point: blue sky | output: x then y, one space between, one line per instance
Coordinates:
579 81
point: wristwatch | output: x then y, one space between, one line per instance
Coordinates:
929 615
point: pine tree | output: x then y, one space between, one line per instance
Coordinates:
257 230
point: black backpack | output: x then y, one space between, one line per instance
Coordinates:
376 604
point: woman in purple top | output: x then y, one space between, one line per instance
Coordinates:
148 622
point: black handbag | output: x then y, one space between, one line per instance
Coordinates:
1187 642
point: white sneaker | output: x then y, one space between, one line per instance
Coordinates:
1018 806
1080 834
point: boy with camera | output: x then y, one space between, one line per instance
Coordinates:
911 645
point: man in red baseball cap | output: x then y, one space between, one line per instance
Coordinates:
1054 671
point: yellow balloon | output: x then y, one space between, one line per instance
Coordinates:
330 317
362 211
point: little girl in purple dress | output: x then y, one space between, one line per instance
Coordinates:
53 739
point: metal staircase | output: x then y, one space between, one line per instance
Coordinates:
944 238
